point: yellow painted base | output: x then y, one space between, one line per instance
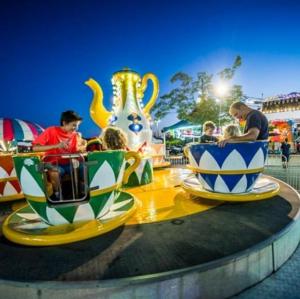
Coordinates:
161 165
61 234
19 204
164 199
197 190
11 197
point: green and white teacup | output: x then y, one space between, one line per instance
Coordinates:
106 174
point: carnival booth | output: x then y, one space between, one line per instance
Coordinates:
279 131
283 113
15 135
184 130
282 106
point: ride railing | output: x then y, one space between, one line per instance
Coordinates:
279 167
177 161
72 184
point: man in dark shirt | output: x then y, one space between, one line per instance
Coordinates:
256 127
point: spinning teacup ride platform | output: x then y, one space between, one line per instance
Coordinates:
177 244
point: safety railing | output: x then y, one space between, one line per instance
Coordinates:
287 171
68 184
177 161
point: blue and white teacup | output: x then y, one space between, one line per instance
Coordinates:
231 169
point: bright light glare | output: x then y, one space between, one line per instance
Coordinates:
221 89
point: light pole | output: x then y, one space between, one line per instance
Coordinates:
221 90
220 103
156 131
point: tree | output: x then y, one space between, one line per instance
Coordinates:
195 99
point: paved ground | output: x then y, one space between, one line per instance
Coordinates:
285 283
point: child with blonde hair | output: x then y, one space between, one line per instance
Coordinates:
114 138
231 131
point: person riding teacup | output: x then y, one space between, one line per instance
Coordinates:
231 131
256 127
57 140
114 138
208 130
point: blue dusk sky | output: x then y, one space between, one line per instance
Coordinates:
48 49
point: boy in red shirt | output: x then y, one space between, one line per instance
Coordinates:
59 140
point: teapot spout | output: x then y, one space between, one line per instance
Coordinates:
98 112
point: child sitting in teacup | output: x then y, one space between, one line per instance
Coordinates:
231 131
94 144
114 138
208 129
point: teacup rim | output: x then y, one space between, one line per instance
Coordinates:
233 142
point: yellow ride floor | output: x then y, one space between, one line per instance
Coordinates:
164 198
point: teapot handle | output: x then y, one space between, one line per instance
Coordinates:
151 102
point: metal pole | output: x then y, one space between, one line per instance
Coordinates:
219 115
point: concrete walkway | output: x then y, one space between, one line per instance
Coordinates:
285 283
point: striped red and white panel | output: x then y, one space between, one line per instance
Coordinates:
16 129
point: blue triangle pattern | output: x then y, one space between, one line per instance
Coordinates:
220 154
251 177
197 151
210 179
246 150
231 180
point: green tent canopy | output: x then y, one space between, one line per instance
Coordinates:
180 124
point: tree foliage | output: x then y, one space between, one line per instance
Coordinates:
194 99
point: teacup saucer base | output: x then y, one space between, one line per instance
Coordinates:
264 188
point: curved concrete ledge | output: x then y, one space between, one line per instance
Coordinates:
219 278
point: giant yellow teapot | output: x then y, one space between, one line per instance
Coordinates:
128 111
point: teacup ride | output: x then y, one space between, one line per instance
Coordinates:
230 173
96 204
